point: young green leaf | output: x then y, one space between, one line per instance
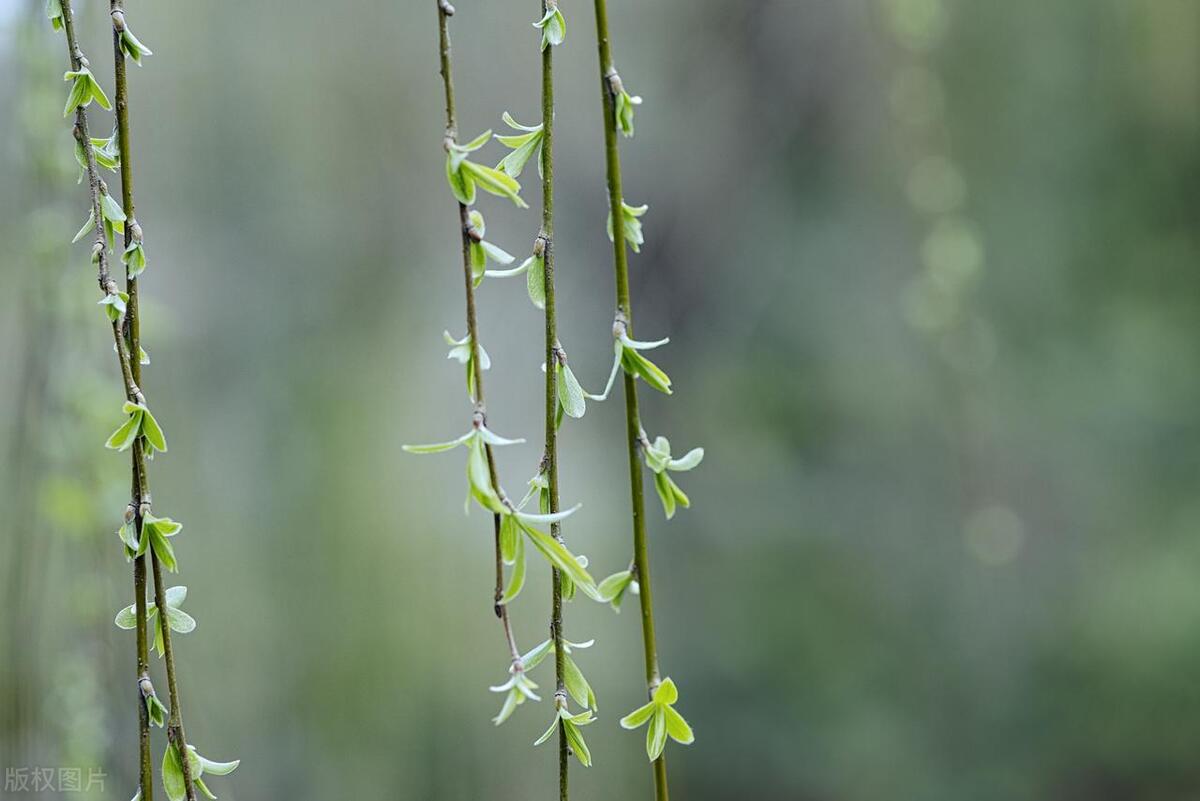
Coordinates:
524 146
631 225
553 25
133 48
623 108
517 579
128 431
114 305
663 718
54 13
84 90
570 393
155 710
658 458
577 685
518 688
134 259
535 281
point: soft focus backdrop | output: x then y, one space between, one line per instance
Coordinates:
929 270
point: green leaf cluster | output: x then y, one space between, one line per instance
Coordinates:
516 527
131 47
658 458
54 13
172 772
106 151
612 590
140 423
631 225
623 104
156 533
465 175
525 145
517 689
177 619
664 720
571 725
481 251
553 25
478 476
84 89
461 352
113 217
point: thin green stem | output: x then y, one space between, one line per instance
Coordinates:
445 11
175 732
633 426
554 354
140 489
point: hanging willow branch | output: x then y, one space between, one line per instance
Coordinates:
625 228
140 432
513 528
140 489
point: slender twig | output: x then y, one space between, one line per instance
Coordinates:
129 373
140 490
445 11
553 355
633 428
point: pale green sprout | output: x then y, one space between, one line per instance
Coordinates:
571 396
524 146
134 259
113 217
534 268
612 589
623 104
84 90
658 459
626 354
573 677
106 151
631 225
155 710
553 25
460 351
172 772
480 251
140 423
664 720
143 356
478 477
114 305
132 47
517 689
54 13
513 525
571 725
177 619
464 175
156 534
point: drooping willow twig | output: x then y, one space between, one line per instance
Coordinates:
553 354
140 489
445 10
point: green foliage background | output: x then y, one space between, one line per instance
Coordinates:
943 545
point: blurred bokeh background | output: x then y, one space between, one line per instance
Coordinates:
929 270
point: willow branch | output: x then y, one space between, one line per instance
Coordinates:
175 732
140 489
633 426
445 11
103 276
553 354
